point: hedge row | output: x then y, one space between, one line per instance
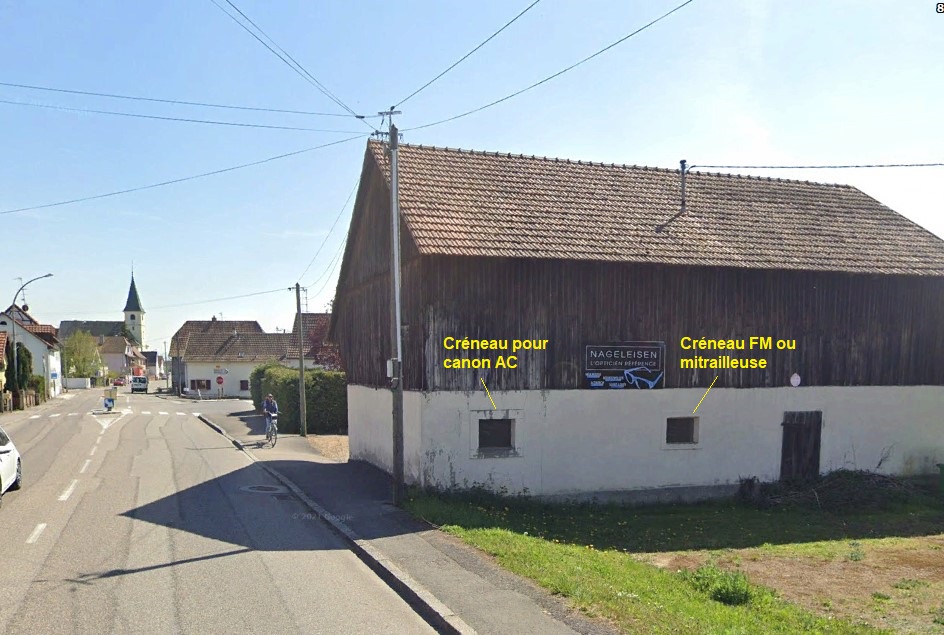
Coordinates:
325 397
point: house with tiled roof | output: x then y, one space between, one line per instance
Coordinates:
317 350
219 362
41 340
120 355
202 329
813 310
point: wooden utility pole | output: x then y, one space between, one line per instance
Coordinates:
302 339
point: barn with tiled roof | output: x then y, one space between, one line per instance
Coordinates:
607 265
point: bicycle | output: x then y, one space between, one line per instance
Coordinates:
272 430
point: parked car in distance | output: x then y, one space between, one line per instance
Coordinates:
139 384
11 471
119 381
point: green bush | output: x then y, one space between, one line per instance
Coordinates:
325 397
38 383
255 384
727 587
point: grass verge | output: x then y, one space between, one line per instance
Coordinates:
585 553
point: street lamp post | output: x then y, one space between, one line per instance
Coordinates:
16 361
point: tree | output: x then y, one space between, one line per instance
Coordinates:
24 363
81 353
128 335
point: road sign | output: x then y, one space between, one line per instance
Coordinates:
219 380
109 404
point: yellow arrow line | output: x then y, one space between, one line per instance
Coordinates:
488 393
705 395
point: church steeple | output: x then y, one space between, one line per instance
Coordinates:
134 315
134 302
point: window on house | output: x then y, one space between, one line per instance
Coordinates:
244 384
681 430
496 436
132 316
199 384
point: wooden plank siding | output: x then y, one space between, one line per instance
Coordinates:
361 310
851 330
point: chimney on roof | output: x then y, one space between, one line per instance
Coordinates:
213 319
683 163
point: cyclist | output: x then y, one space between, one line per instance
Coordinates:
269 407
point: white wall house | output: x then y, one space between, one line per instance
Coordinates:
218 364
43 346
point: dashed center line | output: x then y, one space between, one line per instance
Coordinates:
182 414
57 414
145 412
98 440
85 466
33 537
34 417
164 413
94 447
73 414
66 494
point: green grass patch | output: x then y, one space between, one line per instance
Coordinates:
583 552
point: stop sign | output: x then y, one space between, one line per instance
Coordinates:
219 380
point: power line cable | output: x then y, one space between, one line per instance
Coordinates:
557 74
178 119
180 180
325 241
818 167
232 297
294 65
462 59
333 264
178 101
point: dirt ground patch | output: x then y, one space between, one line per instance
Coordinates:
896 584
331 446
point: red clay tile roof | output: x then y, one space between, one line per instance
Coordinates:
465 203
321 352
244 347
113 344
178 343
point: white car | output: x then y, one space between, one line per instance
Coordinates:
11 471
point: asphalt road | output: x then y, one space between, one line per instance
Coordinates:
144 521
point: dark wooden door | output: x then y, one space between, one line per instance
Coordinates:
799 456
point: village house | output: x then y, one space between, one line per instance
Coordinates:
120 356
632 304
318 352
217 356
42 342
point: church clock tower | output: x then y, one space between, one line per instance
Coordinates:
134 316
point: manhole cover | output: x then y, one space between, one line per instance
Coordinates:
264 489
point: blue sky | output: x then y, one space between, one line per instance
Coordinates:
718 82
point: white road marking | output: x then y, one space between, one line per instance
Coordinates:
73 414
34 416
145 412
54 416
67 396
182 414
164 413
92 452
98 440
195 414
66 494
33 537
85 466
